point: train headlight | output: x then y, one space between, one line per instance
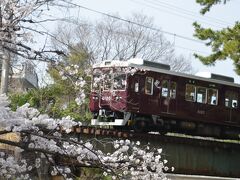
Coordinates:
95 98
118 98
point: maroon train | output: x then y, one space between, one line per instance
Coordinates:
147 96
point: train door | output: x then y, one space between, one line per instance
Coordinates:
134 93
168 96
149 99
231 104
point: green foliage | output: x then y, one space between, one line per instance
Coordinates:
21 99
53 101
65 91
79 58
58 100
207 4
93 174
224 43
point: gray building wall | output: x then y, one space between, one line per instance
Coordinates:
23 78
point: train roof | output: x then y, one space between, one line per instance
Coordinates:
163 68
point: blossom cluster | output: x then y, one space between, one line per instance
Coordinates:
142 163
12 13
72 74
10 167
41 134
22 21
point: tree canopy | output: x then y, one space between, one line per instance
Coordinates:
110 38
224 43
69 93
207 4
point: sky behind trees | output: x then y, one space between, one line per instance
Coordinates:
172 17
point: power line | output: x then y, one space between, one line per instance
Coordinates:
175 13
175 35
191 13
188 49
125 34
138 24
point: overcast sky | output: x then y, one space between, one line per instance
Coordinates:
174 16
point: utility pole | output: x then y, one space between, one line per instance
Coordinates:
5 58
5 72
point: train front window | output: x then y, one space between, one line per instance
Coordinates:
201 95
102 79
119 81
107 82
96 80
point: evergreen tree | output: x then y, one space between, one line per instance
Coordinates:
225 43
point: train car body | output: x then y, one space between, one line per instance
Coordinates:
147 96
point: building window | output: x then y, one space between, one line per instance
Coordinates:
212 96
231 99
149 86
190 92
165 88
201 94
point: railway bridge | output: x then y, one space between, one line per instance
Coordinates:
202 156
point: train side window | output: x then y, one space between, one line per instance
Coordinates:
234 100
190 92
227 102
201 95
165 88
231 99
212 96
136 87
149 86
173 89
234 103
